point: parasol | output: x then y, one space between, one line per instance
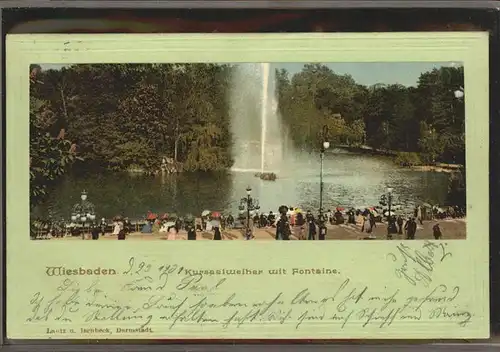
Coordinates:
205 213
298 210
173 216
164 216
387 213
117 218
216 215
340 209
283 209
426 205
169 224
151 216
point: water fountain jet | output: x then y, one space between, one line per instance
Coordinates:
257 133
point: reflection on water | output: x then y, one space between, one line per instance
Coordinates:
349 180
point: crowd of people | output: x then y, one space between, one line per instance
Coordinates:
304 225
288 221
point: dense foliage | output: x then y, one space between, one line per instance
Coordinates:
427 119
50 152
125 116
131 116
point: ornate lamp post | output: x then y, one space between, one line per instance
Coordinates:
459 93
386 199
251 204
324 146
389 201
83 212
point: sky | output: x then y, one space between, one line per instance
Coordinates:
366 73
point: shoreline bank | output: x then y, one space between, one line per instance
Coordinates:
447 168
437 167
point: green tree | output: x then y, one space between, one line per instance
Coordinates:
437 106
355 133
131 116
317 97
50 156
425 119
50 153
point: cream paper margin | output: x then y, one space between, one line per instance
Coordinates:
364 262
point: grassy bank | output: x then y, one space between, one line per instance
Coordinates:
415 161
411 160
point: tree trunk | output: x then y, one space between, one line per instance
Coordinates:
176 143
63 98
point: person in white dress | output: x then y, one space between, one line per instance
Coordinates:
116 228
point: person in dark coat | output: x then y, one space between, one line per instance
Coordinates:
299 220
312 230
230 221
271 218
411 229
391 227
127 226
373 223
339 219
95 232
217 234
436 231
191 232
283 228
350 217
400 224
121 234
309 216
103 226
262 220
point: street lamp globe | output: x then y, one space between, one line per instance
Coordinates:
459 94
249 190
326 145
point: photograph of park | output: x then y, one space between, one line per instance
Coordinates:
247 151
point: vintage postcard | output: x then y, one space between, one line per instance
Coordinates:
365 141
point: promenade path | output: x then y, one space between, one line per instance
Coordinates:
450 228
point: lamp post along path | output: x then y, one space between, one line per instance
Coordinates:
389 202
249 200
83 212
251 204
459 93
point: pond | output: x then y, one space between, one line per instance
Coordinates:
349 180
